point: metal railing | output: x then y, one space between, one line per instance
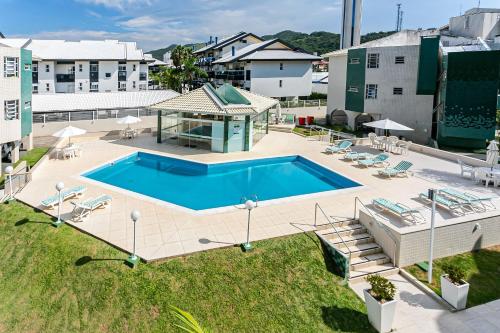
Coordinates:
19 180
332 134
68 116
380 225
303 103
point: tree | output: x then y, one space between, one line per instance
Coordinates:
180 54
192 72
168 78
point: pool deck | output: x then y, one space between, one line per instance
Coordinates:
166 231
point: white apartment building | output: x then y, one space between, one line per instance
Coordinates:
61 66
270 68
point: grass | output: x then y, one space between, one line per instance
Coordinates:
483 271
61 280
31 157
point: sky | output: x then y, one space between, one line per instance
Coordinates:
159 23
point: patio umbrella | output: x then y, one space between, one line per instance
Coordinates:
492 154
68 132
128 120
387 124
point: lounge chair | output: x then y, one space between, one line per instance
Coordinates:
453 206
354 156
342 147
466 169
476 202
53 200
400 169
83 209
379 160
403 211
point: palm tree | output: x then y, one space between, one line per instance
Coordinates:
189 324
191 71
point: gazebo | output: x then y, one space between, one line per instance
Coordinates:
225 119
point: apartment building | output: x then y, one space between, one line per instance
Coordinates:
266 67
439 82
15 102
61 66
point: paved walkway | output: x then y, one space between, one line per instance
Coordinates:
417 312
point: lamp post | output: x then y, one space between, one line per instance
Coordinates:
249 205
431 195
59 188
133 259
8 171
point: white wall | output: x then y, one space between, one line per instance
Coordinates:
45 78
337 75
133 76
143 68
484 25
296 78
410 109
82 77
10 89
111 83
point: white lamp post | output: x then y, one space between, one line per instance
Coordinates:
8 171
133 259
59 188
249 205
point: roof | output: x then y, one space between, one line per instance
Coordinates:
228 57
153 61
280 55
226 100
102 101
482 10
320 77
80 50
222 42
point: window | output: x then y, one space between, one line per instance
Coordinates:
397 91
371 91
122 68
80 68
108 75
35 89
281 83
372 60
47 87
94 87
35 68
142 86
281 66
27 67
143 76
353 89
11 109
133 84
354 61
47 68
94 67
133 67
10 67
399 60
27 105
80 86
248 75
122 86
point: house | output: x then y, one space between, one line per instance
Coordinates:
15 102
440 83
61 66
268 67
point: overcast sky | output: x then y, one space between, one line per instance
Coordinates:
159 23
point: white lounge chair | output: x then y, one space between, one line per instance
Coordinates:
83 209
455 207
52 201
480 203
354 156
466 169
402 211
342 147
401 169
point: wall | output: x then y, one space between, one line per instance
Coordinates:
111 83
82 77
296 77
484 25
337 74
45 78
410 109
10 89
236 137
133 76
26 86
354 100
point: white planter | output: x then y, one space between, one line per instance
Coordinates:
380 315
455 295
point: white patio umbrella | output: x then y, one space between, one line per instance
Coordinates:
68 132
492 154
128 120
387 124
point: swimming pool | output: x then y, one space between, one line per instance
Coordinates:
199 186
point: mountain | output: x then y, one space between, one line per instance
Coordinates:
320 42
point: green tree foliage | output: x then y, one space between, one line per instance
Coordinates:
382 289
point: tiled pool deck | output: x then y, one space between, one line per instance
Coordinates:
164 231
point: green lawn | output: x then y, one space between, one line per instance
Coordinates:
483 274
31 158
61 280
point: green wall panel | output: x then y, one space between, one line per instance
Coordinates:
355 101
26 83
427 65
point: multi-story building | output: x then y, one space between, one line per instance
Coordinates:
439 82
267 67
15 101
61 66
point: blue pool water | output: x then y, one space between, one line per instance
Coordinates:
201 186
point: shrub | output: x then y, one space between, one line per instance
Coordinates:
456 274
382 289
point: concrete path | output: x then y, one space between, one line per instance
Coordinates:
417 312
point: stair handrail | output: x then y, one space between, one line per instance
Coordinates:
380 225
316 206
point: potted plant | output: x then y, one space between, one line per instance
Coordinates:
380 302
454 288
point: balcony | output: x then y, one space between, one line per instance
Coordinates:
34 75
122 76
205 61
65 78
236 75
94 76
143 76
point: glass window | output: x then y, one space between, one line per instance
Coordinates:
80 68
27 104
371 91
27 67
354 61
47 68
94 86
281 66
281 83
10 67
11 110
373 59
47 87
259 127
352 89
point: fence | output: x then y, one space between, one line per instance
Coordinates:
303 103
19 180
68 116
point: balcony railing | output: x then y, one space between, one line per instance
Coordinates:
122 76
237 75
143 76
65 77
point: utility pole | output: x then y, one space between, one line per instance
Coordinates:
398 18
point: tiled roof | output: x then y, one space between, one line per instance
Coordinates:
243 51
221 42
205 100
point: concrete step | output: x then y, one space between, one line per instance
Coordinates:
347 230
360 250
336 222
369 260
356 239
382 270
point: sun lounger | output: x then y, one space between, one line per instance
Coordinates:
476 202
83 209
342 147
453 206
400 169
379 160
403 211
53 200
354 156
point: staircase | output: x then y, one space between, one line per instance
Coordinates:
367 257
